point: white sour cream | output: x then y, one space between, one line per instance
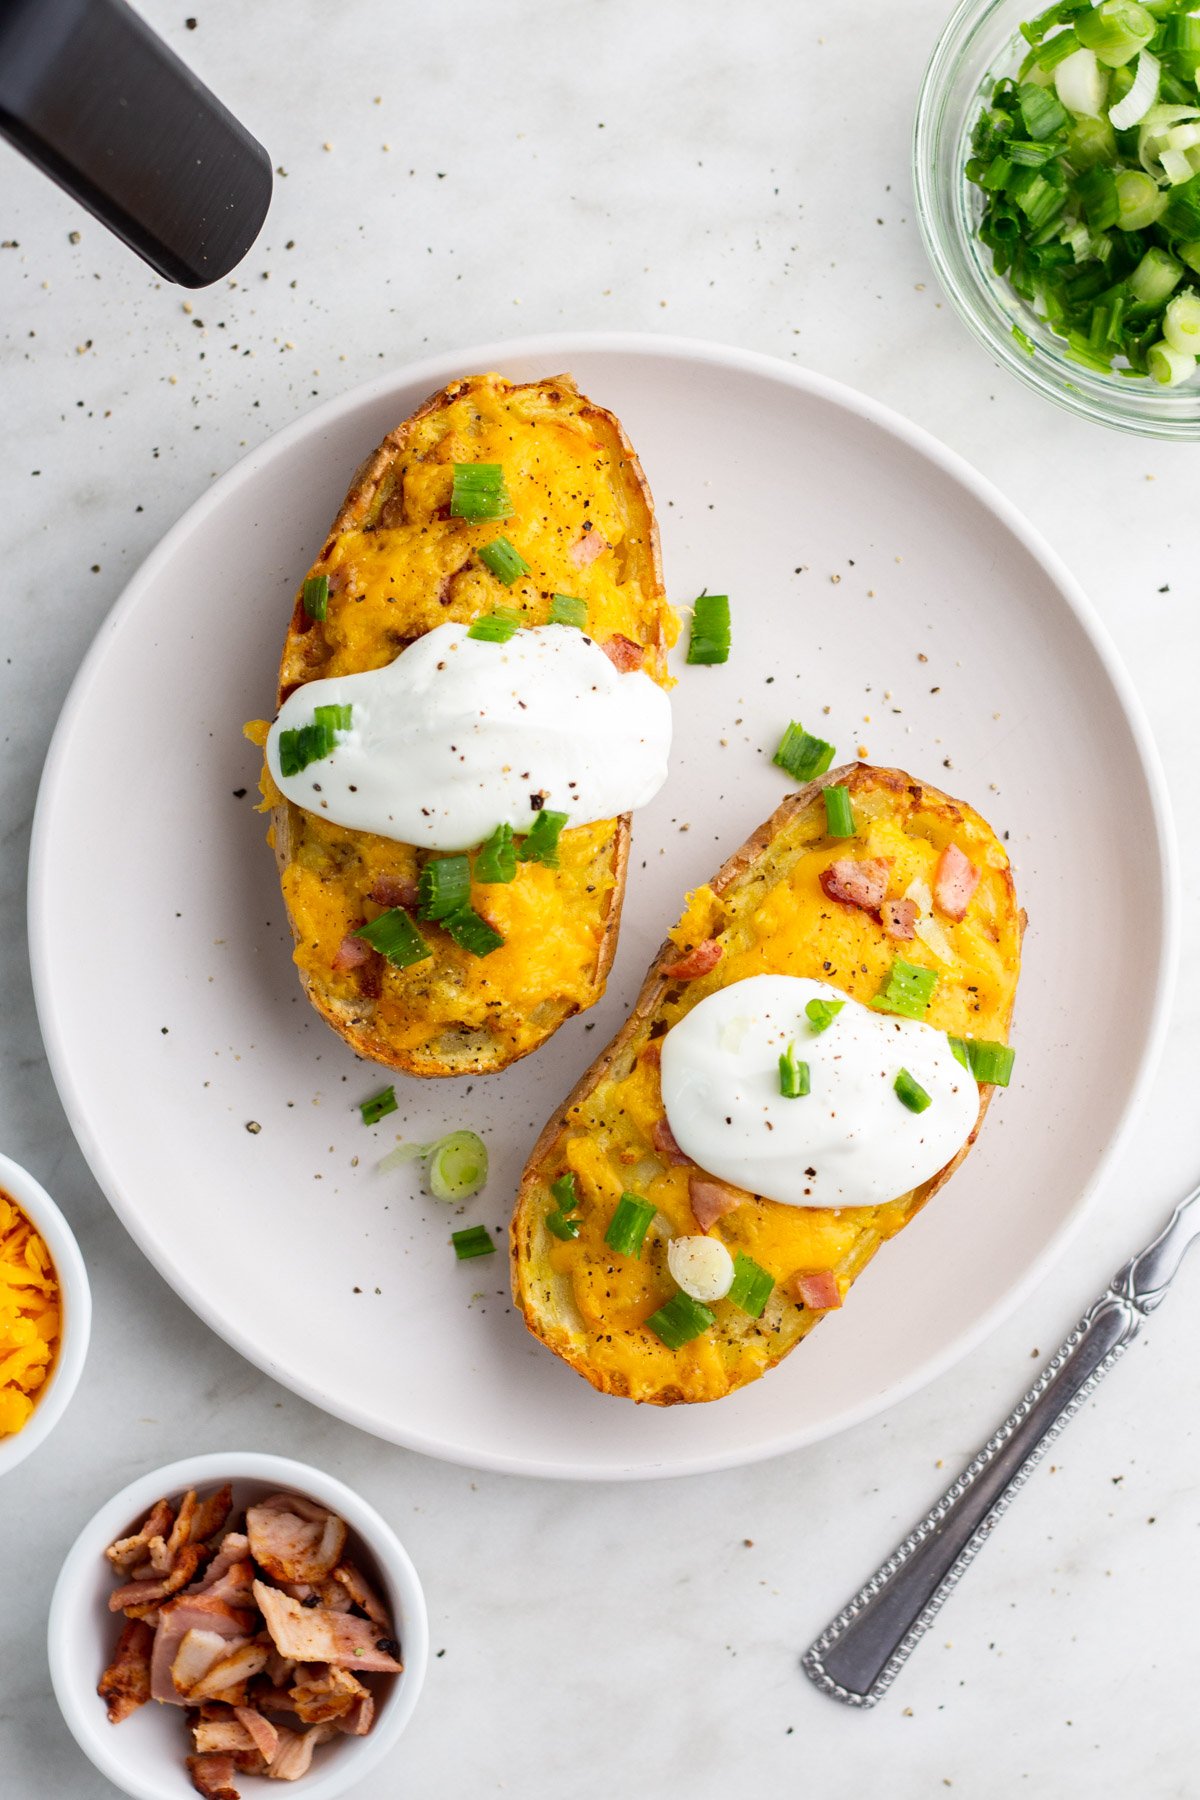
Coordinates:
457 736
851 1141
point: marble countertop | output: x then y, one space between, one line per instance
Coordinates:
447 176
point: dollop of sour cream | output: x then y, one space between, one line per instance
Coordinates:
459 735
850 1141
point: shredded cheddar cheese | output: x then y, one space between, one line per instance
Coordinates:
29 1315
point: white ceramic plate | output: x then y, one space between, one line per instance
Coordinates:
883 594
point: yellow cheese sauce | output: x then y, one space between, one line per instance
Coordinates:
776 919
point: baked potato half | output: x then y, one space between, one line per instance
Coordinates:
768 911
397 565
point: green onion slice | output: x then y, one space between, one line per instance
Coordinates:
312 743
629 1224
458 1166
474 1241
821 1014
542 843
909 1090
680 1320
315 596
793 1075
494 627
908 990
839 814
565 1192
751 1287
395 936
479 492
565 609
709 640
333 718
801 754
496 861
444 886
378 1106
561 1226
471 932
503 560
987 1060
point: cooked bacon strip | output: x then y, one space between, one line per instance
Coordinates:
198 1651
358 1721
295 1752
232 1670
816 1288
899 917
148 1593
393 890
954 881
265 1735
313 1634
232 1584
694 963
190 1612
321 1692
125 1684
857 881
351 953
622 652
711 1199
222 1734
235 1548
293 1540
362 1594
212 1776
128 1553
663 1139
587 547
181 1530
210 1515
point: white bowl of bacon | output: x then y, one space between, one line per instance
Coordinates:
234 1617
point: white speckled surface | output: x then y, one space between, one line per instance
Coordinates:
598 165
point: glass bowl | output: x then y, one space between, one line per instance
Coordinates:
980 42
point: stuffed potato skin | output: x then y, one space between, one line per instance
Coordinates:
768 910
397 566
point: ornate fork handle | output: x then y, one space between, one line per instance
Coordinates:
861 1652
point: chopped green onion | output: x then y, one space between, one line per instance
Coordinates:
471 932
565 609
1181 323
1116 30
479 492
958 1049
680 1320
561 1226
542 843
910 1091
1169 366
1155 278
751 1287
802 755
497 859
315 594
312 743
908 990
458 1166
494 627
395 936
378 1106
987 1060
793 1075
839 814
629 1224
504 562
333 718
474 1241
1041 110
709 639
403 1153
564 1192
821 1014
444 886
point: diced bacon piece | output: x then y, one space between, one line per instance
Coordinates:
321 1693
711 1199
651 1054
816 1288
265 1735
233 1584
393 890
210 1515
663 1139
587 547
125 1684
212 1776
158 1587
235 1548
313 1634
358 1721
899 917
292 1540
622 652
181 1530
295 1752
222 1734
857 881
362 1594
197 1652
954 881
279 1669
696 962
351 953
128 1553
191 1612
238 1665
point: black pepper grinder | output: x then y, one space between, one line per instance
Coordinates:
97 101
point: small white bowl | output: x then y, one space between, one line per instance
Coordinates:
144 1755
75 1297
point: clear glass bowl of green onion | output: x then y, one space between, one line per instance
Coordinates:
1057 177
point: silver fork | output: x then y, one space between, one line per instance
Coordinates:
860 1653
